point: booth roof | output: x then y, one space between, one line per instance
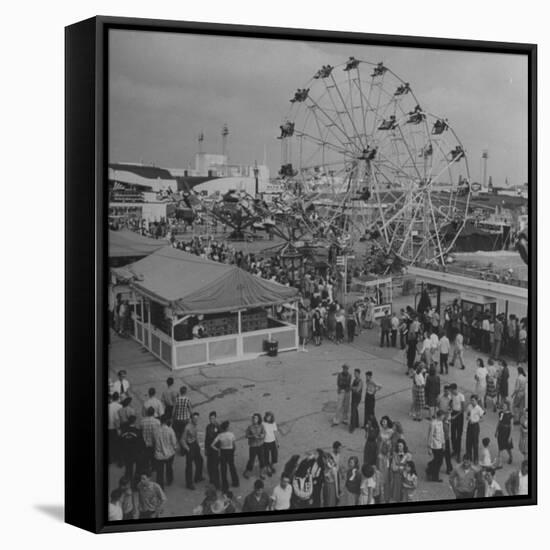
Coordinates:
191 284
127 244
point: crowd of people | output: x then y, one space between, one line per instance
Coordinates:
168 430
147 442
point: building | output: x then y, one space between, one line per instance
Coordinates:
213 174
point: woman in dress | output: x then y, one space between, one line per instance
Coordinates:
418 392
370 452
305 320
432 390
503 433
480 377
410 482
384 456
368 484
518 396
330 482
352 485
369 314
523 435
426 350
400 458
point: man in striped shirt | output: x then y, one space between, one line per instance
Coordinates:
182 412
149 426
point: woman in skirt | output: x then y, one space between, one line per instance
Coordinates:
419 396
503 433
400 458
384 455
432 390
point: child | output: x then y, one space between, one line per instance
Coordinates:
485 460
410 482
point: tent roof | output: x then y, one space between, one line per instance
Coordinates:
191 284
127 244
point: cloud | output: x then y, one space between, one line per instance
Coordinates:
166 88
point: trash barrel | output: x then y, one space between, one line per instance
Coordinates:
272 347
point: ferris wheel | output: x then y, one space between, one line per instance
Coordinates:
383 167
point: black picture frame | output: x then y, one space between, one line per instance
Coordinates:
86 271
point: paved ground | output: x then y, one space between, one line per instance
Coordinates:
300 388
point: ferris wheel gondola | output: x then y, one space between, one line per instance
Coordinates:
357 133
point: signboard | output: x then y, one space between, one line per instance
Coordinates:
381 310
477 298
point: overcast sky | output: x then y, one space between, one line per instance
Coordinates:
167 88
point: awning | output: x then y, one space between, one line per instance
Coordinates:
192 285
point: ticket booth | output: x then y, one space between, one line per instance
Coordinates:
478 304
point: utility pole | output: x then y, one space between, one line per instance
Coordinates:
484 157
256 173
225 133
200 139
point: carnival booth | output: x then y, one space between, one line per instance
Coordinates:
127 246
379 292
190 311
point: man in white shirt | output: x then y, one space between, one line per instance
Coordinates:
457 419
436 447
281 495
474 414
121 385
444 350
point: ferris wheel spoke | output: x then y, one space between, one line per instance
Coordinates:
330 124
350 117
337 111
357 82
413 160
319 141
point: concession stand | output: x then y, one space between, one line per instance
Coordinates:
189 311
